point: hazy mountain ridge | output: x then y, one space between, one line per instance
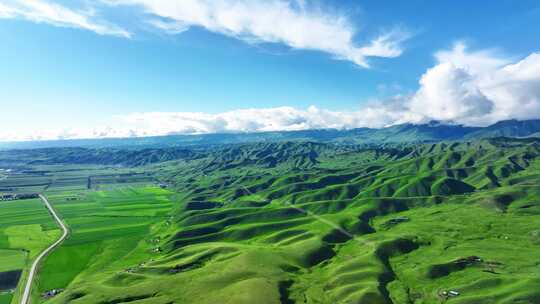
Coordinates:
300 149
430 132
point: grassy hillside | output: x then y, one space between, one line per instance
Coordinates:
293 223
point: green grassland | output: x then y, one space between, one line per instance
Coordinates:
297 222
312 223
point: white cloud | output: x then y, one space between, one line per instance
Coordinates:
293 23
478 88
468 87
387 45
169 27
449 93
42 11
480 61
514 89
6 11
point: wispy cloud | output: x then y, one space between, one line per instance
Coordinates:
388 44
169 27
41 11
292 23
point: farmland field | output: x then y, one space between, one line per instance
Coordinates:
26 228
110 232
106 226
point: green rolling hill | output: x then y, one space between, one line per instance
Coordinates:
455 222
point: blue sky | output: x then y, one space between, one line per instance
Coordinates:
145 67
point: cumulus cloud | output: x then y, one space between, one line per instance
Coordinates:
449 93
474 88
41 11
293 23
478 88
478 61
244 120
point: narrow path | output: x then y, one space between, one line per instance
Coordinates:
28 288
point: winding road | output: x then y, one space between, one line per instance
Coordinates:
28 288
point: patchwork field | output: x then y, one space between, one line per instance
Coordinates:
104 225
110 232
26 228
23 178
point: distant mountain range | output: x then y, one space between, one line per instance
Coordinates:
431 132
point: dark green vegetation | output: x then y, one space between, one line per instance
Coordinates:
293 222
